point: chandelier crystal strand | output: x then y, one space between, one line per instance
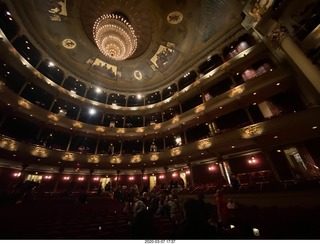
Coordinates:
114 36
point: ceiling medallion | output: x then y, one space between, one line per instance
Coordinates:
114 36
174 17
69 43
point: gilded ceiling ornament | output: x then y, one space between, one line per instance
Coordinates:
278 34
137 74
53 117
140 130
121 130
154 157
136 159
251 131
93 159
8 144
69 43
204 144
24 103
115 160
174 17
68 156
77 124
236 91
259 8
199 108
100 129
175 151
40 152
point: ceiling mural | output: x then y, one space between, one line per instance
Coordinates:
163 57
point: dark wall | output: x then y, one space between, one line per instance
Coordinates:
313 147
7 178
281 165
202 175
241 164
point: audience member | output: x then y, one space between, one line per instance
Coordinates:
194 226
222 209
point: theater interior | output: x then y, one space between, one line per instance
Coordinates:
178 98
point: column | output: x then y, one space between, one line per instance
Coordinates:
23 87
69 143
3 120
280 38
249 115
90 180
23 173
185 136
166 174
117 181
273 169
61 169
142 174
191 174
97 145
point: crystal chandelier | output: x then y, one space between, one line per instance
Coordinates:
114 36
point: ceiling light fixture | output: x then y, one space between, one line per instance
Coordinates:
114 36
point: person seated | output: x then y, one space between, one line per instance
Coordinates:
231 204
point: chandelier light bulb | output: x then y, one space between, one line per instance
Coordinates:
115 37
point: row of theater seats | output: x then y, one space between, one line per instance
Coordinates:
67 218
102 218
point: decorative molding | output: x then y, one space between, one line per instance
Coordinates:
278 34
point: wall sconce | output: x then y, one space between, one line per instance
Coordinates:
17 174
252 160
212 168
